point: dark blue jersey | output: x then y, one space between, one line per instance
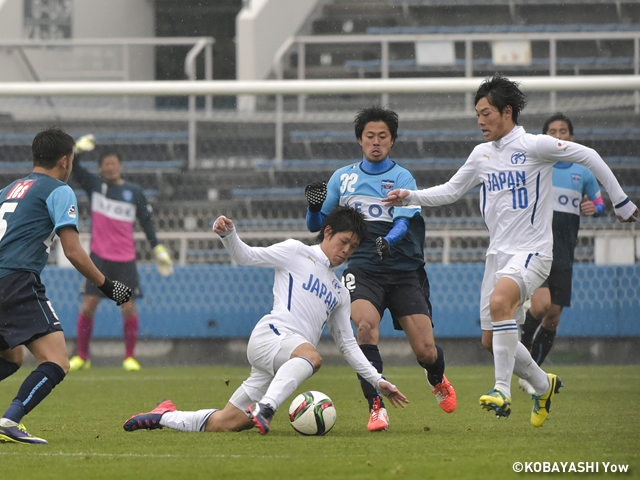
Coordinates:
571 182
32 211
353 187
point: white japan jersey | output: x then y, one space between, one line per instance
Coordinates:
516 200
307 295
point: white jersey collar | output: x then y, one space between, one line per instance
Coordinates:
509 137
321 256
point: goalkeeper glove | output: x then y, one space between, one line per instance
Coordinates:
86 143
116 291
163 261
316 194
382 247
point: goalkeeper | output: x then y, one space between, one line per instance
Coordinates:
115 205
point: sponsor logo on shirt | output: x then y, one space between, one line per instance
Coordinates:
501 180
386 186
518 158
72 211
315 286
488 156
19 189
560 145
576 178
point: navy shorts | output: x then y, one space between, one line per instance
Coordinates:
559 284
125 272
26 313
403 293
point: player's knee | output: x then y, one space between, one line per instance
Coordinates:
64 365
367 333
500 307
316 360
427 354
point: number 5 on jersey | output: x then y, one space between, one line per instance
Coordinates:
8 207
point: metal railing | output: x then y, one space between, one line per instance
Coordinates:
300 43
198 45
446 236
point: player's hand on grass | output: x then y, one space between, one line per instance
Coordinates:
116 291
163 260
86 143
395 197
382 247
223 226
316 193
627 212
395 396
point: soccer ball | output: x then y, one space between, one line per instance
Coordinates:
312 413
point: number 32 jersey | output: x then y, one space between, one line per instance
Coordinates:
516 198
353 187
32 210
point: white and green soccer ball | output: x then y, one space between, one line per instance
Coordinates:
312 413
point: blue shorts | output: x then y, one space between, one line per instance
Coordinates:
26 313
403 293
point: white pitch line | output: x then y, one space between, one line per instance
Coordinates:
134 455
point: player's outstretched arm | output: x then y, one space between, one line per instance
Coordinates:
626 212
70 241
163 260
395 396
395 198
223 226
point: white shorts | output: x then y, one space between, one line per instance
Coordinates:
528 270
268 349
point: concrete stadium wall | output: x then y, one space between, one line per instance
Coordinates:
90 19
223 302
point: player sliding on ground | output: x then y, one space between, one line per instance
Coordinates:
514 171
282 347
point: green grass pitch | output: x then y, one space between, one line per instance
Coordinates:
595 418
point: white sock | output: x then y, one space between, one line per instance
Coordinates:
505 341
5 422
288 377
187 421
525 367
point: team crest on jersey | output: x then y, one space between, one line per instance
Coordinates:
72 211
336 284
127 195
560 145
386 186
576 178
518 158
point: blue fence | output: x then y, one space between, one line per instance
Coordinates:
226 301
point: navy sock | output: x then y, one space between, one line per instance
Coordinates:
34 389
7 368
542 344
435 371
529 328
373 355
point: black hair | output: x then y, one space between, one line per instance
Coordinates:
376 113
344 219
109 153
49 146
501 92
558 116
